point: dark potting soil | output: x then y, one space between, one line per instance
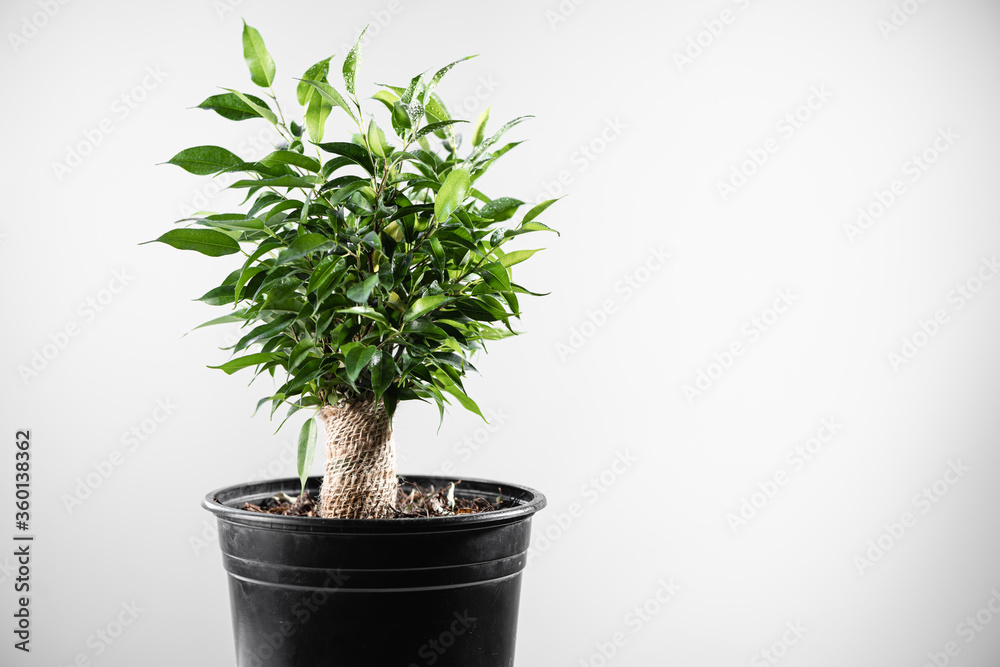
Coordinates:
412 501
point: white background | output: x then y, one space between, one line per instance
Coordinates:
641 139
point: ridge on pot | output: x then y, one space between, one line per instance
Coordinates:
310 591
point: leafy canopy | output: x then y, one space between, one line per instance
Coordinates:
373 268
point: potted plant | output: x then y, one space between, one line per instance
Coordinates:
371 271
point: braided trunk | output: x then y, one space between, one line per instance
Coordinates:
360 480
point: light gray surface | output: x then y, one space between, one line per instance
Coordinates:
662 136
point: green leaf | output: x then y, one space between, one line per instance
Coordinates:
383 370
218 296
206 241
259 61
449 386
262 111
452 193
232 107
317 72
517 256
225 319
356 153
436 127
424 305
481 148
356 357
240 363
376 140
205 160
365 311
501 208
480 128
302 246
307 449
328 93
440 75
351 63
316 115
537 210
292 158
359 292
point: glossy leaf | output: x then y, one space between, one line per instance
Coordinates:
232 106
205 160
249 360
259 61
317 72
206 241
479 129
307 450
352 62
452 193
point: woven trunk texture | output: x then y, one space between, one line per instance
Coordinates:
360 480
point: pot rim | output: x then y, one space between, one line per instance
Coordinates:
528 502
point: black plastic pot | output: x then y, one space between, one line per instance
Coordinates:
309 592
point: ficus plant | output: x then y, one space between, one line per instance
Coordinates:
373 268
